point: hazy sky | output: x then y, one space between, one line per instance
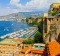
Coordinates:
13 6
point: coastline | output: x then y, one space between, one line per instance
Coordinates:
7 27
19 34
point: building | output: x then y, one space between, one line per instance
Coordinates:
53 48
51 27
32 19
55 6
9 46
39 20
25 51
37 49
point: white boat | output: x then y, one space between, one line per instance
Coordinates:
7 29
12 24
4 29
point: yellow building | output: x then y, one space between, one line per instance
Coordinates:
51 27
37 49
29 21
51 23
8 46
39 20
54 6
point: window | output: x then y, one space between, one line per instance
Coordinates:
26 46
57 19
36 46
22 52
52 19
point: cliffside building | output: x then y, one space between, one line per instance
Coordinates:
55 6
51 25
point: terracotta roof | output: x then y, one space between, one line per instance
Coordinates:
28 50
37 51
53 48
24 50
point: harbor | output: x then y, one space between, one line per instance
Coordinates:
21 33
29 29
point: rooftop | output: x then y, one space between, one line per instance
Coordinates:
53 48
24 50
8 41
37 51
39 44
55 5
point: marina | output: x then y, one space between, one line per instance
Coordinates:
21 33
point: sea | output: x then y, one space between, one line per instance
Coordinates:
7 27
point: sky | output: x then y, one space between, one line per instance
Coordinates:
14 6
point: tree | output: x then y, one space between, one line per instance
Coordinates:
29 41
40 27
38 37
54 12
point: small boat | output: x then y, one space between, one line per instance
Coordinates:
7 29
4 29
12 24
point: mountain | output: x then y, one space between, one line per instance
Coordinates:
29 14
13 16
22 15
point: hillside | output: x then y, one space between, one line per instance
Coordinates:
22 15
13 16
29 14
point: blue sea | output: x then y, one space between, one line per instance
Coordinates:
11 26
